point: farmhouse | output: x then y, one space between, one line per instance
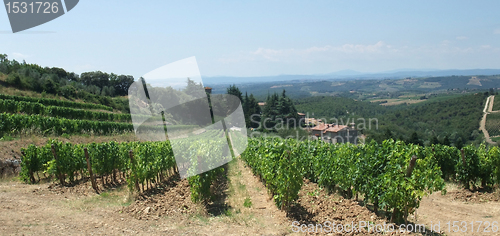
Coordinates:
319 130
342 134
334 133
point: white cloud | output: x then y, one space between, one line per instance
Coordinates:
496 31
360 48
377 56
462 38
19 56
275 54
445 42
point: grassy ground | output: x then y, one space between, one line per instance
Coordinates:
414 98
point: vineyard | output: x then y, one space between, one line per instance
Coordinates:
12 106
56 102
257 118
388 179
142 164
392 175
493 123
496 105
17 123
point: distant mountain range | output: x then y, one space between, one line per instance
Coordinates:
347 75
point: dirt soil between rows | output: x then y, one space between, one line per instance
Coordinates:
242 207
463 206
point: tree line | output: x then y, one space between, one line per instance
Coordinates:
278 113
95 87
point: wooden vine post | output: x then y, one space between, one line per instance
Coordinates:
131 154
59 174
413 161
463 157
114 174
89 167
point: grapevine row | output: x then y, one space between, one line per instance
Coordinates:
277 164
143 163
470 166
212 152
393 174
15 123
63 160
56 102
12 106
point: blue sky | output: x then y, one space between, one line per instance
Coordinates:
254 38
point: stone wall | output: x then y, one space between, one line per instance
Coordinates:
9 167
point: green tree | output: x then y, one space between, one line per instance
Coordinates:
14 80
252 112
388 134
414 139
3 58
120 83
287 111
446 141
233 90
49 86
97 78
194 89
459 143
434 140
270 112
279 113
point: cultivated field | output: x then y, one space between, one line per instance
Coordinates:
75 168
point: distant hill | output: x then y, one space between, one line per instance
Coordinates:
346 74
440 73
367 88
454 117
